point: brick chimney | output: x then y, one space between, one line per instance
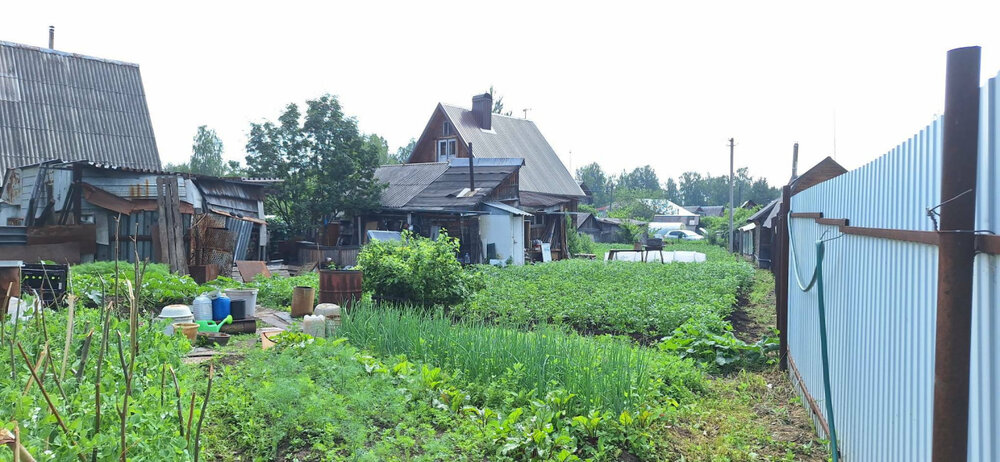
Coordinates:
482 110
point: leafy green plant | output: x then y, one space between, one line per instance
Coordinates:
276 292
711 342
578 242
417 270
646 301
153 431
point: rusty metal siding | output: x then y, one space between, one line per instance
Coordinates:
62 105
881 300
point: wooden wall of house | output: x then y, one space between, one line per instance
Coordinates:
426 148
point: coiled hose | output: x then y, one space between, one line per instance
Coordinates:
817 280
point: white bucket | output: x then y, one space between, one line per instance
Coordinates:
249 295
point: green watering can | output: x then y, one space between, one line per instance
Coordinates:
212 326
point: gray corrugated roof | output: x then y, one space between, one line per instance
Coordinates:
442 193
57 105
543 172
406 181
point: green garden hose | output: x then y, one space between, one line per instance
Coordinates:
817 280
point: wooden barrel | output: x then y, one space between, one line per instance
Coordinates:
340 287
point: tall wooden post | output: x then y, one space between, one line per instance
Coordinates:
779 262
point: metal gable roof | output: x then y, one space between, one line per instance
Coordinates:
510 137
57 105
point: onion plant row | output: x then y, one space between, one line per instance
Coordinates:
604 373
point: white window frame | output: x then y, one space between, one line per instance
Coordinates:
450 150
446 129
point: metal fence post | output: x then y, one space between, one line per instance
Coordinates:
956 253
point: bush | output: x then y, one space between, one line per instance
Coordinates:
416 270
711 342
578 242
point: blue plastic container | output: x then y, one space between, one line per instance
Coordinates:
220 307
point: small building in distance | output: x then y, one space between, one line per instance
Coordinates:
756 238
603 229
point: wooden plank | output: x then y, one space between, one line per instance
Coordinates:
813 215
920 237
163 218
66 252
832 221
249 269
106 200
84 235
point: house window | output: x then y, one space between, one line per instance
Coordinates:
446 150
446 128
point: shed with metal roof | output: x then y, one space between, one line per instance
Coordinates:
58 105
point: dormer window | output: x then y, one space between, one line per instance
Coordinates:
446 150
446 129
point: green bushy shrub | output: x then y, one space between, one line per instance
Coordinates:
417 270
578 242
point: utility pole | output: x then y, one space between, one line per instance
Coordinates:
730 195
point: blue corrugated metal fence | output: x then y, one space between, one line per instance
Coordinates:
881 300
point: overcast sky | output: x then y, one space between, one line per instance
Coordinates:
621 83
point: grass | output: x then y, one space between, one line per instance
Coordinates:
645 301
606 374
745 417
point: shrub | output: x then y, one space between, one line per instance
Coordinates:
416 270
711 342
578 242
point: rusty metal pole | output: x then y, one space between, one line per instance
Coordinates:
956 252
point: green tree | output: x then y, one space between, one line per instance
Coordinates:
671 192
497 103
692 189
640 179
403 152
206 153
600 185
326 163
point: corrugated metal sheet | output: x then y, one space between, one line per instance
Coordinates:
61 105
543 172
406 181
881 301
234 197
